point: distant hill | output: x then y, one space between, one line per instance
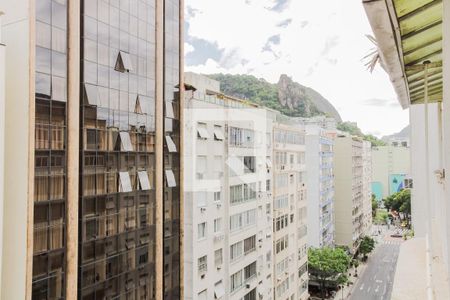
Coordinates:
288 97
404 133
353 129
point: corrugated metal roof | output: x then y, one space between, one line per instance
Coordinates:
412 29
420 26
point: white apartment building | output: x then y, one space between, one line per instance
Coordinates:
320 187
367 187
228 236
289 213
349 198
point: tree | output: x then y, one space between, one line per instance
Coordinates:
327 264
404 199
374 205
367 245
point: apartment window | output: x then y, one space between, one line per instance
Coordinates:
303 269
235 194
242 220
203 264
218 257
249 163
218 133
219 290
236 251
202 131
217 196
201 167
250 244
201 198
281 244
268 185
203 295
282 201
218 225
291 159
251 295
236 281
250 271
202 230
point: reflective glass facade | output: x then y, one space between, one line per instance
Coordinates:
117 196
50 150
171 158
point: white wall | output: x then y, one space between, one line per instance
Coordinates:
16 35
2 138
419 196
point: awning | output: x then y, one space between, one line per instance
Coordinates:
218 133
125 182
409 33
219 290
126 141
143 180
170 144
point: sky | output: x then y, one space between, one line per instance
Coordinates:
318 43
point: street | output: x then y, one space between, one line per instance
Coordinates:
378 278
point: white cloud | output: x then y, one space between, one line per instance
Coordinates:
321 47
188 48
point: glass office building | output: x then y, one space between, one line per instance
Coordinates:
127 167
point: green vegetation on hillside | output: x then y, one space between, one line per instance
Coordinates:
258 91
353 129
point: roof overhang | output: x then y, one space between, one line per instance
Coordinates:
409 33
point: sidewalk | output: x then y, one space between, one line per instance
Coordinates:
348 289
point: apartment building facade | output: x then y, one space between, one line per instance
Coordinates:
98 85
367 187
349 198
320 187
391 166
228 202
290 212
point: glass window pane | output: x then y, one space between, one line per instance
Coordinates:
43 35
59 15
43 57
59 40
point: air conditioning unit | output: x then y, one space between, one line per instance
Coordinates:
247 285
202 209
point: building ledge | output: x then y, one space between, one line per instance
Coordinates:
411 273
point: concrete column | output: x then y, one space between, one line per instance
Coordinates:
2 138
159 111
73 146
181 147
18 34
446 120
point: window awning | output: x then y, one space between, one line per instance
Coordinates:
123 63
143 180
170 144
91 94
268 163
126 141
409 33
202 132
169 110
170 179
219 290
125 182
218 133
